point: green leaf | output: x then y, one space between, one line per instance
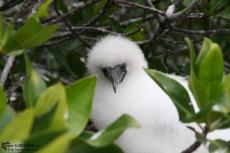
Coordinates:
192 54
211 70
49 98
176 92
98 7
111 133
42 138
224 102
79 98
223 122
53 95
187 2
79 146
115 25
7 115
198 90
59 145
219 146
225 13
31 34
204 50
43 9
2 101
227 86
19 128
5 32
73 59
34 85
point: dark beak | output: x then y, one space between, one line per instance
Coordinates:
115 74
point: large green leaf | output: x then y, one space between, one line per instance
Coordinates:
79 98
227 86
2 101
34 85
211 70
198 90
7 115
192 54
5 32
42 138
79 146
224 101
43 9
219 146
31 34
49 98
58 145
53 95
176 92
204 50
225 13
19 128
111 133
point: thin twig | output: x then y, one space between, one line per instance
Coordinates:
202 32
197 143
6 69
74 35
80 6
137 5
9 5
100 14
184 13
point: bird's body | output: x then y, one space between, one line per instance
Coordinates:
150 106
137 95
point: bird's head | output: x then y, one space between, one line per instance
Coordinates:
114 58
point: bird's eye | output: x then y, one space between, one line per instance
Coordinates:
104 71
123 67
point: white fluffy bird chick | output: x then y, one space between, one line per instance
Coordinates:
124 87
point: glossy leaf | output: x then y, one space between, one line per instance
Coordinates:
204 50
111 133
225 13
79 98
5 32
30 35
224 101
192 54
18 128
34 85
49 98
53 95
43 9
59 145
198 90
179 96
211 70
219 146
42 138
79 146
7 115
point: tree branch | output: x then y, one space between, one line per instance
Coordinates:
202 32
197 143
128 3
6 69
184 13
